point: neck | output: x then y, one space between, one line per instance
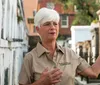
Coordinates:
51 46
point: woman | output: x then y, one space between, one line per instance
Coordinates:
48 63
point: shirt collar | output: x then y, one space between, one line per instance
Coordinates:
40 49
59 48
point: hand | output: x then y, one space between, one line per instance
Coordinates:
50 77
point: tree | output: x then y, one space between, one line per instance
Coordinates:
86 10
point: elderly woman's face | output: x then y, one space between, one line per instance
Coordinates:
49 30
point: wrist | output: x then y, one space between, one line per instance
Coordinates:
39 82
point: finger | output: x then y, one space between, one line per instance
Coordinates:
58 73
57 77
54 70
45 70
56 81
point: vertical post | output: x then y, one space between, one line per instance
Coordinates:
0 17
98 13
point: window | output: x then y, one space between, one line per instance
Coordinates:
30 20
64 21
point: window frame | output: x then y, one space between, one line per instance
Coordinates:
67 21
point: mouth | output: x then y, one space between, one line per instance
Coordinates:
52 33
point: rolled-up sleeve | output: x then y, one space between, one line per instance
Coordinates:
82 64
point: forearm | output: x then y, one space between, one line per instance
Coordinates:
48 78
40 82
35 83
89 72
96 66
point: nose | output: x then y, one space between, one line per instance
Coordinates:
52 25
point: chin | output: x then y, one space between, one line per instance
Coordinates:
52 39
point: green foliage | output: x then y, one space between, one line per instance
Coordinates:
86 10
66 3
95 21
82 19
63 1
19 18
61 37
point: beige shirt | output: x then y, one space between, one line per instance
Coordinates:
38 59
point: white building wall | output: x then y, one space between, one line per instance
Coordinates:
0 17
5 19
11 48
80 34
1 68
10 20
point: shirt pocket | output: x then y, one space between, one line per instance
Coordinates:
66 68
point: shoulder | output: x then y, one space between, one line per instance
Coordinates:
30 55
71 53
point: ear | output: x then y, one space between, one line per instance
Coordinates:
37 28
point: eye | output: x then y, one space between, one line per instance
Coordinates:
46 24
54 23
50 23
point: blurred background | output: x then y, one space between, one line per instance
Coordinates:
79 30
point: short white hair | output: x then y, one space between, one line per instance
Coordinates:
44 15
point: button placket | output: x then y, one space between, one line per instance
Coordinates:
53 61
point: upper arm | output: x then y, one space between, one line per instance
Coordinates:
26 71
80 63
83 67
